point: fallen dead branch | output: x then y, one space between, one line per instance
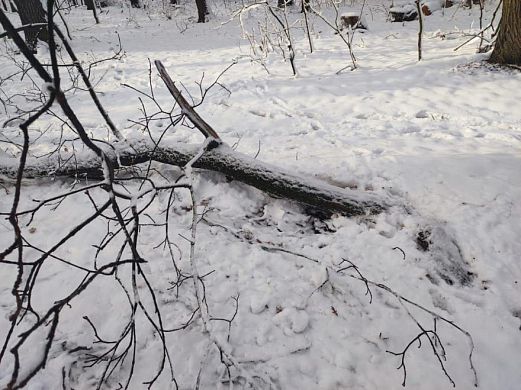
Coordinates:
222 159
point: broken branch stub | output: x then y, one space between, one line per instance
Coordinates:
186 108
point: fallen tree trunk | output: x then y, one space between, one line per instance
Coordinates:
222 159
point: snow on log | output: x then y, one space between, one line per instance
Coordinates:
223 159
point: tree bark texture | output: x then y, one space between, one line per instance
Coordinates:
202 11
31 11
507 49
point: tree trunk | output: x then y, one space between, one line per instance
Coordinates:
91 5
202 10
507 49
31 11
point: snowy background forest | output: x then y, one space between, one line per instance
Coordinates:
136 254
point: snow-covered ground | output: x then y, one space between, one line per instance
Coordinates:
441 136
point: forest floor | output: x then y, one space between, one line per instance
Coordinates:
443 136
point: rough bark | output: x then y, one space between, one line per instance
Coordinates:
224 160
31 12
507 49
202 10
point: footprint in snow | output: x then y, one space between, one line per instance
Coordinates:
259 304
440 301
292 320
423 114
517 313
316 125
258 113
